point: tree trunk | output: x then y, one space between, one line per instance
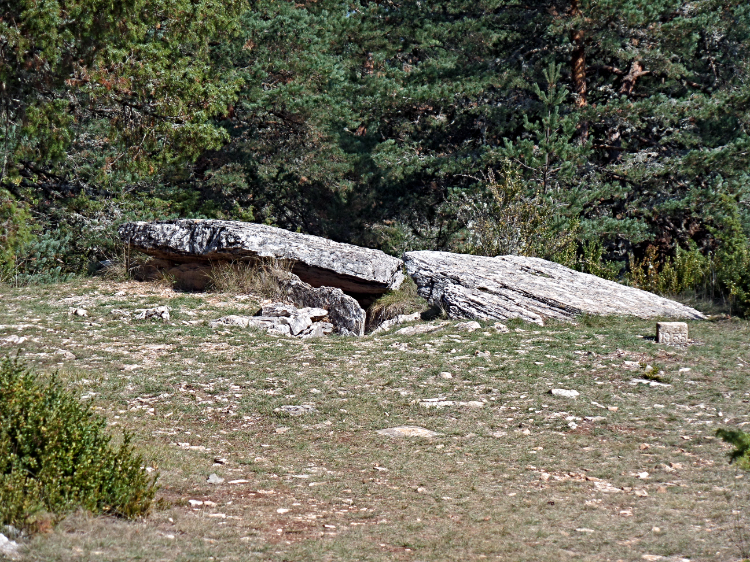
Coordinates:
578 62
628 81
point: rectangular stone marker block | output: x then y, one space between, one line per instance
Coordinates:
672 332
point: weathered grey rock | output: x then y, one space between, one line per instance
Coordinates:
295 410
343 311
14 339
272 324
672 333
159 313
318 261
8 547
317 330
440 403
297 323
468 326
400 319
278 309
420 329
531 289
408 431
300 321
314 331
214 478
281 319
564 393
232 320
500 328
315 314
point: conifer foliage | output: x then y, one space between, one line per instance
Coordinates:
366 121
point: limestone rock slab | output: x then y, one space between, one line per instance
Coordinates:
531 289
318 261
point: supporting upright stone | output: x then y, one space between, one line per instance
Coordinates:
672 332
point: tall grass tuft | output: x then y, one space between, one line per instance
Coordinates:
403 301
263 277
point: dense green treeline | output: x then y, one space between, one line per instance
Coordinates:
611 135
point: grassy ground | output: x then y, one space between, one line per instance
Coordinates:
625 471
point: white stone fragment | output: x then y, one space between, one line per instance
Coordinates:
564 393
158 313
408 431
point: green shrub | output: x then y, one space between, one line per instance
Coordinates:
55 455
506 218
15 233
591 260
741 442
688 270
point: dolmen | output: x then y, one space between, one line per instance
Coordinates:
344 279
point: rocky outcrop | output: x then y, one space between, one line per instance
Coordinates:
282 319
531 289
317 261
344 312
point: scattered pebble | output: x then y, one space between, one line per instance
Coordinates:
408 431
214 479
420 329
14 339
564 393
295 410
438 403
648 382
606 487
446 375
468 326
158 313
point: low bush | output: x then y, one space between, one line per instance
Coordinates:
741 442
55 455
504 218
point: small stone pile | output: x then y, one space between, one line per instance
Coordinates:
283 319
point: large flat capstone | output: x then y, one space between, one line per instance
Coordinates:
317 261
531 289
